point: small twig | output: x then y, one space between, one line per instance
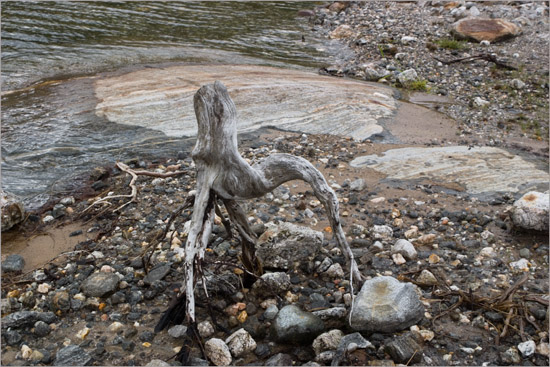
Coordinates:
507 322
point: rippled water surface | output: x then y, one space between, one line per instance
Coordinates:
52 51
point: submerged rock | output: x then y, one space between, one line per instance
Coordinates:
531 211
293 325
386 305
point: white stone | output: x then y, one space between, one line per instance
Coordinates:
527 349
531 211
382 232
378 200
474 11
517 84
240 343
327 341
487 252
205 329
398 259
43 288
407 40
26 351
405 248
335 271
426 277
520 265
480 102
485 43
218 352
408 76
115 327
544 349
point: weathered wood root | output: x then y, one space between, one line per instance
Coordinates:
222 172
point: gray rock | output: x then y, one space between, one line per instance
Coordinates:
41 329
357 339
100 284
11 337
325 264
279 359
510 356
217 352
157 273
358 185
407 77
382 232
13 263
276 282
26 318
333 313
271 312
240 343
327 341
386 305
426 277
517 84
531 211
58 211
72 355
284 245
157 363
405 349
405 248
293 325
335 271
11 209
177 331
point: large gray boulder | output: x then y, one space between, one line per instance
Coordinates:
284 245
386 305
294 325
12 210
531 211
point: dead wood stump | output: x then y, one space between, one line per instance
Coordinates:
223 173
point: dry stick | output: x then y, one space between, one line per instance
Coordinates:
133 195
507 322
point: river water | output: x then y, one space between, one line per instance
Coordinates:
51 52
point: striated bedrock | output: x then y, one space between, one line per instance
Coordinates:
478 170
292 100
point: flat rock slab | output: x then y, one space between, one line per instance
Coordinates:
478 170
386 305
479 29
292 100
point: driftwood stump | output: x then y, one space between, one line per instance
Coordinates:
223 173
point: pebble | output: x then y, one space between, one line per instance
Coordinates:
405 248
426 277
335 271
13 263
240 343
327 341
72 355
205 329
294 325
177 331
100 284
218 352
527 348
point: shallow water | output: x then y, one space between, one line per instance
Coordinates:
50 133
